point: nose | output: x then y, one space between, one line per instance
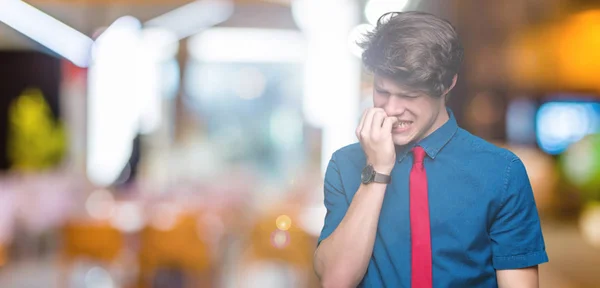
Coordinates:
394 106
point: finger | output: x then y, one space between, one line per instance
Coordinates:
366 130
368 117
388 123
378 118
361 123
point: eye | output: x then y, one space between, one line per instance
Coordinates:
410 96
382 93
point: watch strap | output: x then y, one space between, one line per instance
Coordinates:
382 178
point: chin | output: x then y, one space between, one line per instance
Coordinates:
402 140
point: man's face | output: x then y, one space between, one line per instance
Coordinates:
419 114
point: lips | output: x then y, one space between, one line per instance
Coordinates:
402 123
402 126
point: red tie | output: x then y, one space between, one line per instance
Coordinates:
420 234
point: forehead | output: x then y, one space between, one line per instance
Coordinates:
393 87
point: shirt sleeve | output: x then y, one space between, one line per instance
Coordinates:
516 233
335 199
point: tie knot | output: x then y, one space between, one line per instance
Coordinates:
418 154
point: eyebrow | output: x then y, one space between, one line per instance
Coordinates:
400 93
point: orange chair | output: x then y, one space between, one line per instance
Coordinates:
3 258
97 241
180 248
292 247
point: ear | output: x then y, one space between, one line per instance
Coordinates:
453 83
451 86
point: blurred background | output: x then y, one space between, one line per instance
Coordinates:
155 143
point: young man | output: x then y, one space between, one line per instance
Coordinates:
420 202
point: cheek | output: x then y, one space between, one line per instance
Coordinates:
422 109
378 102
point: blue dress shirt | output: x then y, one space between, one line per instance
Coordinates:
482 211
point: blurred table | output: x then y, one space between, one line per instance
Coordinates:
573 262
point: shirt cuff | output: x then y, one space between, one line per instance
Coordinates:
520 261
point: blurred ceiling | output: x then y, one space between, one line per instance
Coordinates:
87 16
488 30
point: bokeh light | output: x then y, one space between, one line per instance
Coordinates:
559 124
164 216
581 165
98 277
283 222
589 224
128 217
100 204
280 239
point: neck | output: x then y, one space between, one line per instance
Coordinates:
441 119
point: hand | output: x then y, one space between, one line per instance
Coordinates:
375 135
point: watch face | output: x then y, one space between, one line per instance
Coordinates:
367 174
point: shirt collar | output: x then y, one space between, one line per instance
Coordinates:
434 142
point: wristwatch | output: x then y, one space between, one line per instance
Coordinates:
369 175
